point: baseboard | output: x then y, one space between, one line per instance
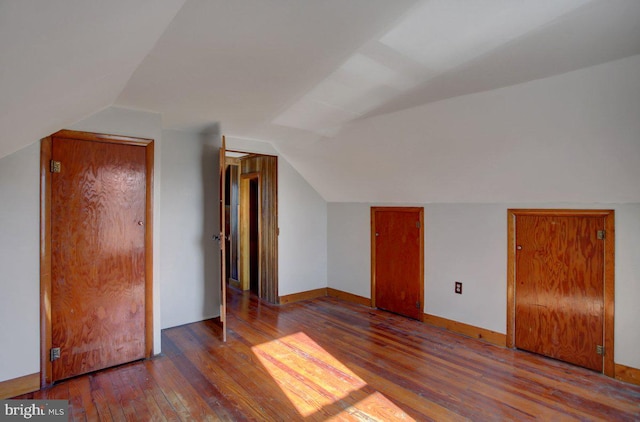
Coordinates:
627 374
325 291
18 386
454 326
309 294
348 297
467 330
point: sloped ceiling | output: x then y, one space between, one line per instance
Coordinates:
307 76
243 62
61 61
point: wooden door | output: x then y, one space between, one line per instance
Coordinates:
398 260
222 240
560 287
98 255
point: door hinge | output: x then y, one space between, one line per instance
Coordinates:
417 224
54 354
55 166
600 350
601 234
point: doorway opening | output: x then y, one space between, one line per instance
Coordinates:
252 231
254 236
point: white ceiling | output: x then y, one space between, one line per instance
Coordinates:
243 62
289 72
61 61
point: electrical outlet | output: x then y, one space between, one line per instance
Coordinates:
458 288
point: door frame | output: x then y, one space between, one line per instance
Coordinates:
45 239
265 167
420 211
609 273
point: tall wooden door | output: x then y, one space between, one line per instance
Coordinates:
560 287
398 260
98 255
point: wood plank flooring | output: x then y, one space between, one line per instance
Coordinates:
326 359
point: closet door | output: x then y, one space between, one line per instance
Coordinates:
397 258
559 306
98 228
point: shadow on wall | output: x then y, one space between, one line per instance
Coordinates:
210 140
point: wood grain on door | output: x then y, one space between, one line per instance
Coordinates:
560 287
398 260
98 209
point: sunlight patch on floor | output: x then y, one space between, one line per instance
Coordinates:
318 384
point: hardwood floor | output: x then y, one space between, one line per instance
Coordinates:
325 359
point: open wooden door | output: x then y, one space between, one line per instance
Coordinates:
222 241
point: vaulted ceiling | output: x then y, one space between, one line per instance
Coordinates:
303 75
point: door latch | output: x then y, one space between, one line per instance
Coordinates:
54 354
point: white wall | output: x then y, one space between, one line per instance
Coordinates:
468 243
189 257
627 296
20 263
349 248
569 138
126 122
302 245
302 219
